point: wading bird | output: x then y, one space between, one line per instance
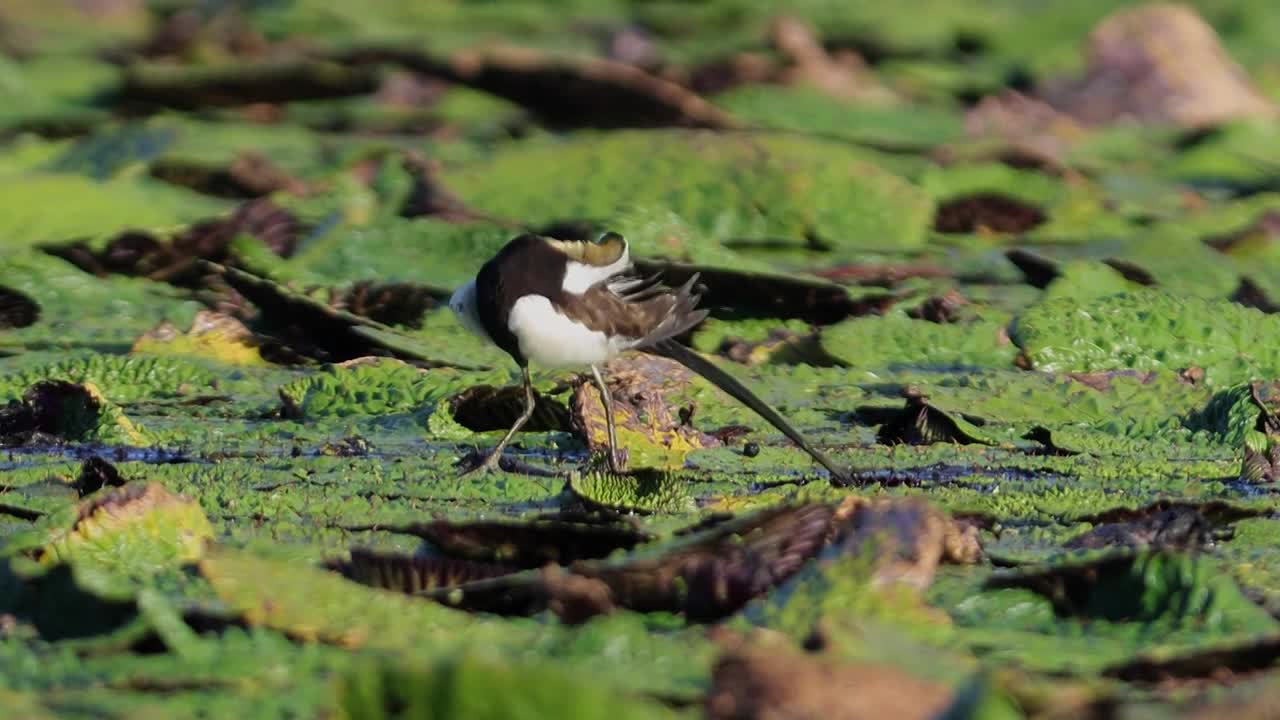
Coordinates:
568 303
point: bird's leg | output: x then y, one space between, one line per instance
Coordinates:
614 465
491 460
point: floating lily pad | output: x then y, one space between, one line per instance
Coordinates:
1147 330
763 187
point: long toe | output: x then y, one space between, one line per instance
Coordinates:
489 464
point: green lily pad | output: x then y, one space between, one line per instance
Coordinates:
1149 330
800 191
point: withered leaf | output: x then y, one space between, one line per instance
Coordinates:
413 573
481 408
987 212
527 544
17 310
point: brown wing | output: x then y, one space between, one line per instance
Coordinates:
648 316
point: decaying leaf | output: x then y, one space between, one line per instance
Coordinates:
482 408
17 310
178 261
648 427
1027 124
921 423
70 412
395 304
716 572
138 527
182 86
705 576
987 212
212 335
1180 527
844 76
1218 664
1134 586
303 327
413 573
250 175
527 544
564 90
96 474
1162 64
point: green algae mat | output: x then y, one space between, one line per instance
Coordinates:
1014 263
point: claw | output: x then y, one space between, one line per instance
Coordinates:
491 463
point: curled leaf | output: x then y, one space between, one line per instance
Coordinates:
412 573
137 527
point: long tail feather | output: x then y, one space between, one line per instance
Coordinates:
695 362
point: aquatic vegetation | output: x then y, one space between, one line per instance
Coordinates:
1013 264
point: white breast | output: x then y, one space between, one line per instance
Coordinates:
552 340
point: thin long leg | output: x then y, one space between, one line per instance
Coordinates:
608 417
495 455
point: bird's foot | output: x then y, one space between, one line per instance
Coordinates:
618 460
490 463
615 460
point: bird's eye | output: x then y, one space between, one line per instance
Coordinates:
607 237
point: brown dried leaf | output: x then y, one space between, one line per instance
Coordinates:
17 310
987 212
527 544
482 408
413 573
564 91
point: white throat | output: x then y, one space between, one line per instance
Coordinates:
463 305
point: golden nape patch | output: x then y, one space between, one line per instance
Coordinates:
599 254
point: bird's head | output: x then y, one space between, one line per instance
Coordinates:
604 250
463 305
